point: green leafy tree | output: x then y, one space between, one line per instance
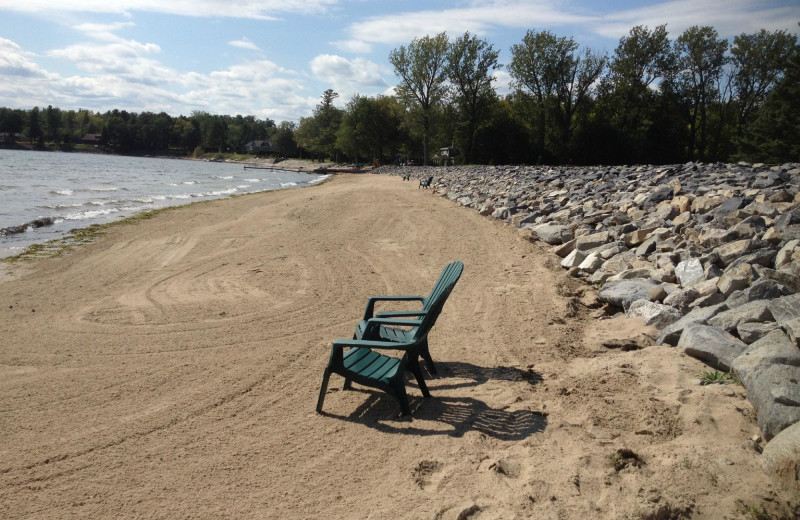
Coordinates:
628 102
469 68
35 133
422 72
283 139
701 55
52 121
11 122
560 79
774 135
759 61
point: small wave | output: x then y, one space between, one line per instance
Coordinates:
226 178
244 187
288 184
189 182
318 179
62 206
218 193
181 196
103 189
83 215
65 193
251 180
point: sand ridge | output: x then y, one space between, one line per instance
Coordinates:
170 370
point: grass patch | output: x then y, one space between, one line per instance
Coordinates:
715 377
751 512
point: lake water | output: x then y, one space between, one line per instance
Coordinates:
64 191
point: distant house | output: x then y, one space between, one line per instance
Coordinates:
258 147
8 137
94 139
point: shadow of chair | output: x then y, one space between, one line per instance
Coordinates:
463 414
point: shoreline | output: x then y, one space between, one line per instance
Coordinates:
189 348
53 231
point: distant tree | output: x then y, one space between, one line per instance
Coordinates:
52 121
11 123
317 134
627 101
283 139
35 133
560 79
701 55
469 68
774 135
421 68
759 61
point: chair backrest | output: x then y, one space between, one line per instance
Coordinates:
451 272
435 302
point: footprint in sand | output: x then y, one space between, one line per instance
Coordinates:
427 473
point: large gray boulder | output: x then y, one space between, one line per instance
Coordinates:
774 348
622 293
689 272
714 347
786 311
782 458
672 333
654 314
553 234
757 311
775 394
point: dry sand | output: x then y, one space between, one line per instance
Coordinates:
171 368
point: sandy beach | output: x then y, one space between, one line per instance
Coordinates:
170 369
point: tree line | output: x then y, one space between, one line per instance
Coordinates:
653 100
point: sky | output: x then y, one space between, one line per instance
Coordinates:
274 58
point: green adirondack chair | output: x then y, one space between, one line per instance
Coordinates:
365 363
425 183
450 275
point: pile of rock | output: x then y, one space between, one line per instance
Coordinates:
707 253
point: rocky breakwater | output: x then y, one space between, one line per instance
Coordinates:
707 253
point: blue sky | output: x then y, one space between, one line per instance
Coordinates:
274 58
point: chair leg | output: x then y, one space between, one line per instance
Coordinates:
413 366
426 355
348 383
325 377
398 391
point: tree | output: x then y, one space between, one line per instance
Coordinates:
283 139
774 136
317 134
628 101
421 68
560 80
470 63
52 121
34 129
701 56
758 62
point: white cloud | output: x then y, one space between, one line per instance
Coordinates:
347 75
104 32
481 18
728 17
256 9
354 46
244 43
14 64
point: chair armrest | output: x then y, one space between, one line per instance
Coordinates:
372 344
400 314
374 323
369 312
